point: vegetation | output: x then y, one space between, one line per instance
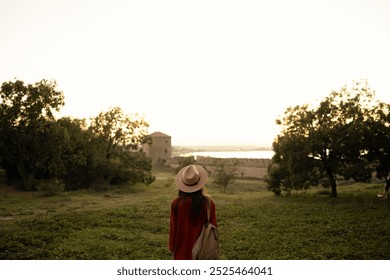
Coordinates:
30 138
346 136
59 164
133 223
225 174
35 146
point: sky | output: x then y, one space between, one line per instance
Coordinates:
203 72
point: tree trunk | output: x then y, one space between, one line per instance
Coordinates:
27 177
387 180
332 182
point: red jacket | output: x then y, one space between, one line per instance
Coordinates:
183 232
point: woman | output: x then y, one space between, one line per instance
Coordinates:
189 211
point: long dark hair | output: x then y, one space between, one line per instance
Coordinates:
198 202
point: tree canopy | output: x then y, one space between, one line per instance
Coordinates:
343 137
30 139
118 136
34 145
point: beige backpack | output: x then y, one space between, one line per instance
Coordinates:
206 246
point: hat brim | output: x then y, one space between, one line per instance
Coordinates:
193 188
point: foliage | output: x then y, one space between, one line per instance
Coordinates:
318 145
36 146
379 143
118 136
225 173
50 187
290 167
80 158
116 132
105 153
30 138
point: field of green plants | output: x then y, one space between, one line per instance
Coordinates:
131 223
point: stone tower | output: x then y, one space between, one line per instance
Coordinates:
160 151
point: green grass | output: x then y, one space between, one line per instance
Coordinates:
133 223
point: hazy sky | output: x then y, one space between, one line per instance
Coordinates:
204 72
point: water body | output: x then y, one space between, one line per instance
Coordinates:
232 154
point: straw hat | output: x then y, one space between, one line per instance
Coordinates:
191 178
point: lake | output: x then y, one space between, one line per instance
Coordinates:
232 154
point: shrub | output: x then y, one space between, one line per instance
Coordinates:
50 187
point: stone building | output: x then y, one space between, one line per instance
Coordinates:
160 150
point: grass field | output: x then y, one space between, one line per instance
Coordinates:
133 223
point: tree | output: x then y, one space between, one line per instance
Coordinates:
318 144
378 141
225 174
118 136
80 158
118 131
290 167
30 139
90 164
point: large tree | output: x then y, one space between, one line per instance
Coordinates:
119 137
316 145
30 139
119 131
378 141
290 167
